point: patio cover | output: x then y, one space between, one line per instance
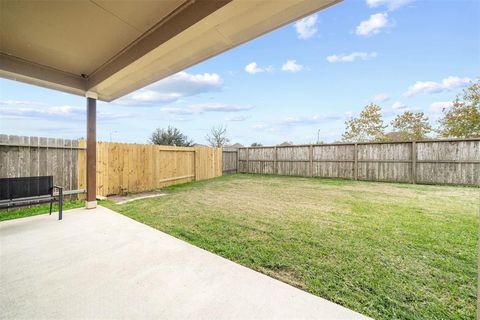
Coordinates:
111 48
106 49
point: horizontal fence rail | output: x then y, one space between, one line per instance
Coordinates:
426 162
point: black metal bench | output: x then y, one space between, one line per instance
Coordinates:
30 190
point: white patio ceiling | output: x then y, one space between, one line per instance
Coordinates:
112 48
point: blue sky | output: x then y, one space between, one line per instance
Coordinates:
285 86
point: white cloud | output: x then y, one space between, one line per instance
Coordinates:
397 105
238 118
206 107
179 85
22 103
48 112
437 107
266 127
390 4
314 119
351 57
381 97
306 27
38 110
373 25
253 68
292 66
429 87
260 126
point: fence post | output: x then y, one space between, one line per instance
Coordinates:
311 160
355 159
248 161
237 153
275 160
414 162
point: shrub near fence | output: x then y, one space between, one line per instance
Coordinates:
426 162
121 167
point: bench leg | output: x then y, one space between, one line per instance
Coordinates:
51 203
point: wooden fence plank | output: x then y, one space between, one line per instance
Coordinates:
22 156
432 161
125 168
132 167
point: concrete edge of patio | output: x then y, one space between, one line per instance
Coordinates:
98 263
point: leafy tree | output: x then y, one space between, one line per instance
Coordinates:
256 144
462 120
170 137
218 137
410 126
367 127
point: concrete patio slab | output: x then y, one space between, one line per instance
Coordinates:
100 264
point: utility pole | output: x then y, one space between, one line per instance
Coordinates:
318 136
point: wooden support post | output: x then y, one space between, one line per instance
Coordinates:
414 162
275 160
355 159
248 162
91 152
311 160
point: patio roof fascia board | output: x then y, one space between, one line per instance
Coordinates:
177 22
17 69
294 10
192 33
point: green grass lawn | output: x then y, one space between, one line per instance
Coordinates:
22 212
390 251
385 250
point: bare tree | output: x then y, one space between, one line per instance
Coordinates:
218 136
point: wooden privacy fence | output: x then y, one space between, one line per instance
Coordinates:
230 159
121 167
426 162
37 156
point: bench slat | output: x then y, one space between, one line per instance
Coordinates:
29 190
